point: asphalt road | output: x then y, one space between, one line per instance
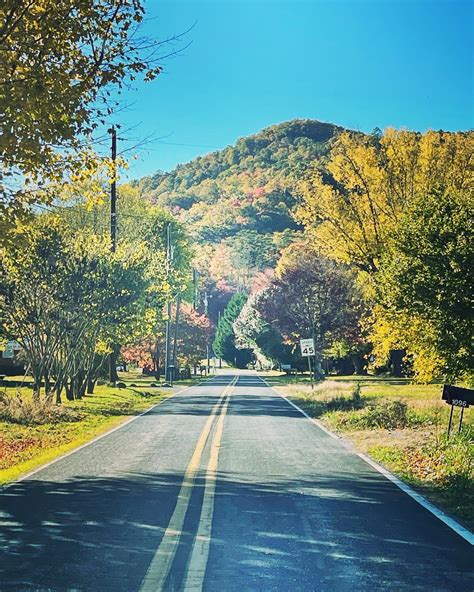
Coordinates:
224 487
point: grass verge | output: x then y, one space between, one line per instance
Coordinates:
29 439
401 425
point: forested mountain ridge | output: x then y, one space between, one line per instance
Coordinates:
278 147
237 202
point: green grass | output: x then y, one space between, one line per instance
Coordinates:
400 424
442 469
26 447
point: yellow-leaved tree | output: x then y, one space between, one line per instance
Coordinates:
396 207
63 64
352 206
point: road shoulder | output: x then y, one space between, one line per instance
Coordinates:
457 526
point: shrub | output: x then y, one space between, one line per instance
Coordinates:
388 415
15 409
384 415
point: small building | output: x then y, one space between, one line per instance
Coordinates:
10 360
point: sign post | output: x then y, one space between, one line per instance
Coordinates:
457 397
307 351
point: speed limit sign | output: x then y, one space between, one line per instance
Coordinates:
307 347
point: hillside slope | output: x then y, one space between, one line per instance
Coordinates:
237 202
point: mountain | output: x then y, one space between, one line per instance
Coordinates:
237 202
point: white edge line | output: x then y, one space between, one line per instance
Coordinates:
451 522
96 439
458 528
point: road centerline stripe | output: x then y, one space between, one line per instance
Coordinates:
161 563
200 551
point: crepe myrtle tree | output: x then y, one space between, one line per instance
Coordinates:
65 300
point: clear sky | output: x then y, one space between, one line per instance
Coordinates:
253 63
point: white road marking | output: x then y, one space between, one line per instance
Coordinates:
458 528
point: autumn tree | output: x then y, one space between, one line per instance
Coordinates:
60 62
145 353
194 333
311 296
353 205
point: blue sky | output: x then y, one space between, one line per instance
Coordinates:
253 63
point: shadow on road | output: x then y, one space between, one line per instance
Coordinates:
101 533
253 405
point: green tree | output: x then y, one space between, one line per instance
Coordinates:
426 283
144 225
224 342
255 333
66 300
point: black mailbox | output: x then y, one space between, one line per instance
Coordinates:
455 395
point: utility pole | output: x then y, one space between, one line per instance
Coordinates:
206 308
113 193
176 331
113 238
218 322
194 288
168 306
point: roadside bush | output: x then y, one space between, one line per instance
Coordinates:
387 415
15 409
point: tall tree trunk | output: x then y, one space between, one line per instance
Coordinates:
75 387
59 389
69 391
47 387
113 357
156 361
396 362
359 364
82 384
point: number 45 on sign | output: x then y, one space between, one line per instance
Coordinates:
307 347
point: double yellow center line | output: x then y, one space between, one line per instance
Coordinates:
160 566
